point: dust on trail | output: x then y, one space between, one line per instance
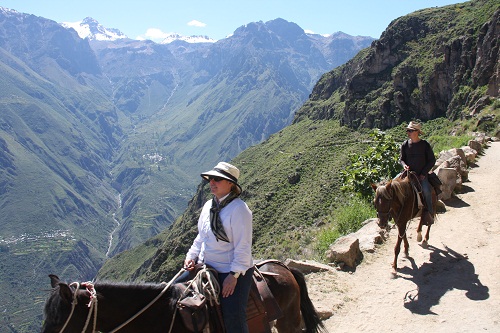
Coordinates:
451 286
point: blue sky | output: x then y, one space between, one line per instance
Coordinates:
219 18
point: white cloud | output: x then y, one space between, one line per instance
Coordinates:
198 24
309 32
154 34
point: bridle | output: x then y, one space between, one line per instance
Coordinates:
384 193
390 212
93 304
73 305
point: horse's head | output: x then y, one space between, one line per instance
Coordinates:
59 304
383 202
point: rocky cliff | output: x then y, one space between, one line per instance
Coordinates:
432 63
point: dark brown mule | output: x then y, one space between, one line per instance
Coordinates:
117 303
398 200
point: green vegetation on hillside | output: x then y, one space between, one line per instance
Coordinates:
294 185
294 182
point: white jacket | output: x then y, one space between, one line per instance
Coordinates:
224 257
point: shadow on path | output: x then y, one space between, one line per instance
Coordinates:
447 270
456 202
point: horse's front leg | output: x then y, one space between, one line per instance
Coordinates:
426 239
397 248
406 245
419 231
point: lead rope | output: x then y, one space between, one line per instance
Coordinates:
209 289
172 321
92 306
150 303
73 305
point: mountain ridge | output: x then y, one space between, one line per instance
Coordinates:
292 180
271 71
461 57
92 29
103 140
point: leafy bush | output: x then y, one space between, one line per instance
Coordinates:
346 219
445 142
380 161
351 216
325 238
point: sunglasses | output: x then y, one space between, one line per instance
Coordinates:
410 130
215 178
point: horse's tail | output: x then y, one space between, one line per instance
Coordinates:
310 316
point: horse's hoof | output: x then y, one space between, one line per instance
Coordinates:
394 274
419 236
424 244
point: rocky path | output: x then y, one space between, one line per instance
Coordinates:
451 286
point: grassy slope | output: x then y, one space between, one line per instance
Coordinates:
286 216
289 216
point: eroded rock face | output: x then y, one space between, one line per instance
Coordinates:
414 71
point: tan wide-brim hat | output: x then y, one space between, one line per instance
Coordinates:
226 171
413 125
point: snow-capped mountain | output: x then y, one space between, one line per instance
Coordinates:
189 39
8 11
90 28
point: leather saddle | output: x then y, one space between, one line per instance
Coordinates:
262 307
423 212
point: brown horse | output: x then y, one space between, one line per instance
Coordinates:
117 303
398 200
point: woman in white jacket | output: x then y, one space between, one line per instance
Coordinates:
224 242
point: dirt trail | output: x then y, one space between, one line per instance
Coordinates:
451 286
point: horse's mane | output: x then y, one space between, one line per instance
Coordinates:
402 189
143 289
141 286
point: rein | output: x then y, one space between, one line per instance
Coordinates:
73 305
150 303
390 197
93 305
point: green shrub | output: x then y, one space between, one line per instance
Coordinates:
380 161
346 219
350 217
325 238
445 142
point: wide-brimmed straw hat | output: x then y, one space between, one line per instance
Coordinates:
226 171
413 125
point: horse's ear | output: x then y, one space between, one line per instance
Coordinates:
374 187
54 280
65 292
